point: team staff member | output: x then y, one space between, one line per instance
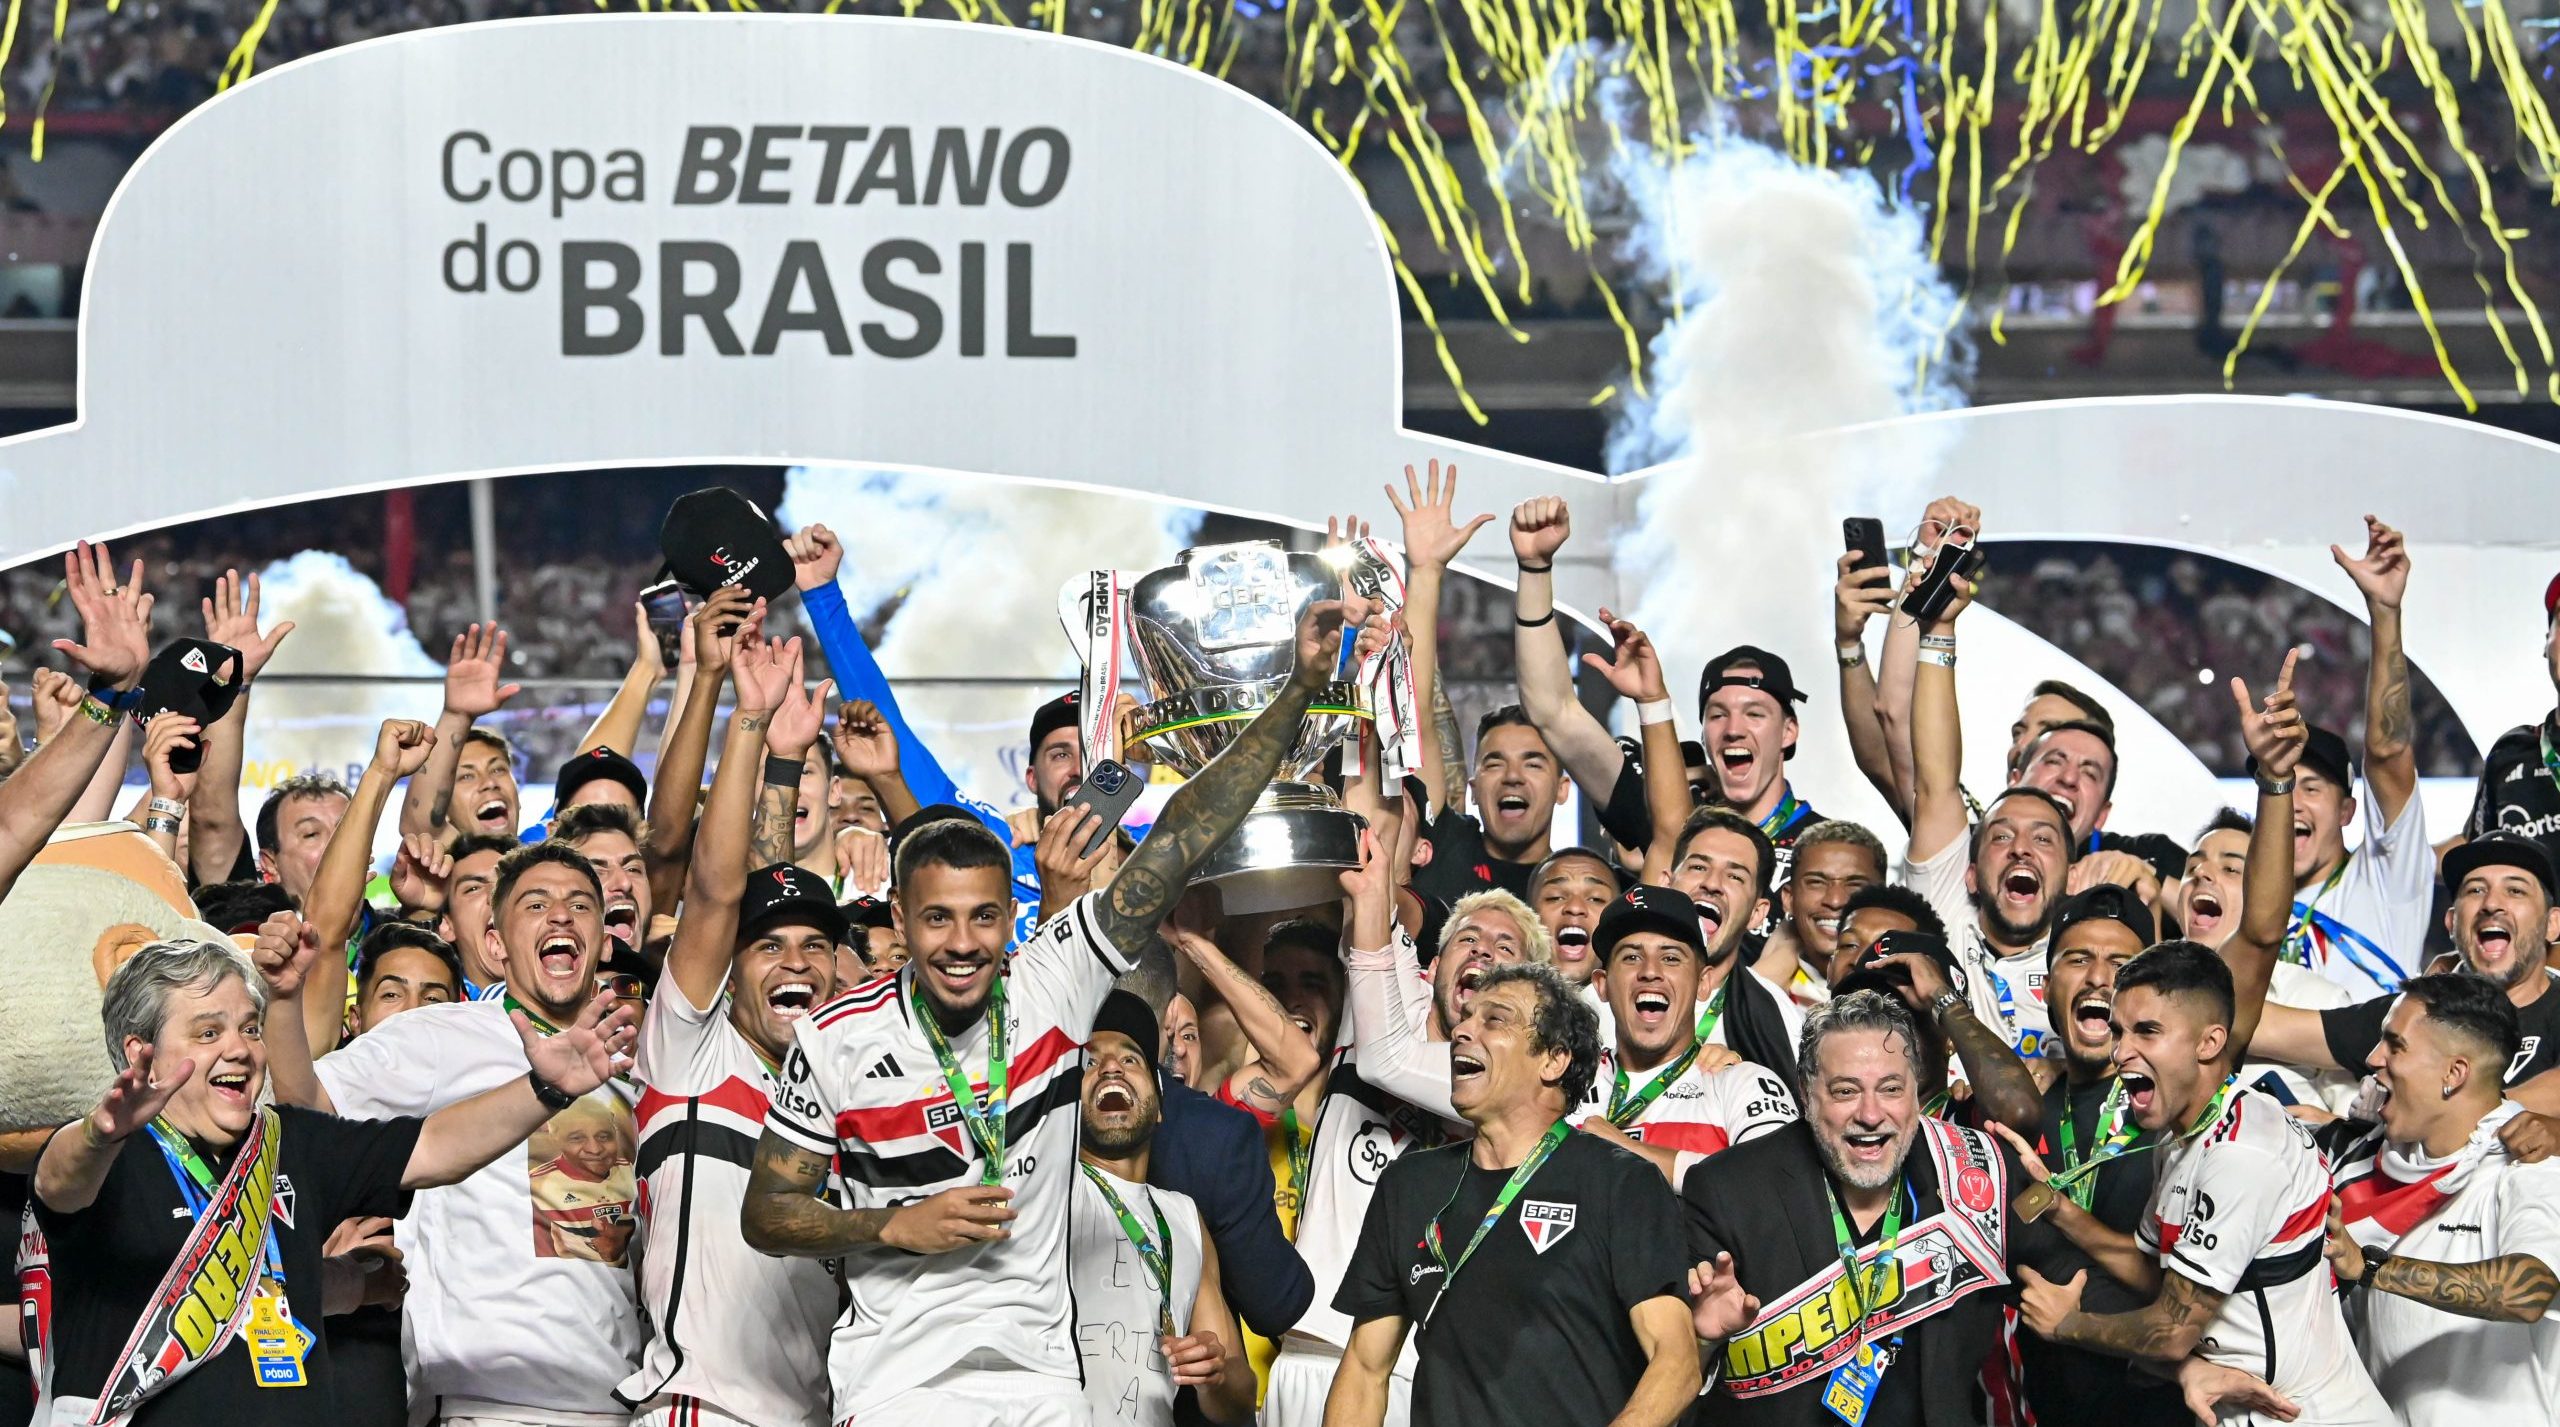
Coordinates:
1570 1309
2519 788
180 1159
1654 1093
2239 1199
1151 1317
1802 1339
2451 1239
958 1314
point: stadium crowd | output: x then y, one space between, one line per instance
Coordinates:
822 1091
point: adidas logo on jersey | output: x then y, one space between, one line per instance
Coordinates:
885 1068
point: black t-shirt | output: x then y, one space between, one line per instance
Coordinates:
1536 1331
109 1257
2516 793
2353 1031
17 1390
1461 863
2068 1384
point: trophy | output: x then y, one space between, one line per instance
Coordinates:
1215 638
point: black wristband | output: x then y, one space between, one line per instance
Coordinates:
783 772
1537 569
1548 618
104 690
551 1096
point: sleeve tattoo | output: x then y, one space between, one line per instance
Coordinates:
2514 1288
783 1215
771 841
2165 1330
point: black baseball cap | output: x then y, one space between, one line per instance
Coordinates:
716 537
2502 849
192 678
2326 753
1774 679
2105 902
1647 908
1060 712
1867 976
598 763
868 912
786 892
1122 1011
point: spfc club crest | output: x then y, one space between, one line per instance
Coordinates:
1545 1223
942 1120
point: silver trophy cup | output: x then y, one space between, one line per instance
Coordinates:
1216 638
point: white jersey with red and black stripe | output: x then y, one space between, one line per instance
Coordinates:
1702 1111
862 1084
741 1331
2241 1207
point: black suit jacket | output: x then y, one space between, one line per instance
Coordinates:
1215 1154
1763 1202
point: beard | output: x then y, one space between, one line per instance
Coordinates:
1120 1143
1863 1177
2016 933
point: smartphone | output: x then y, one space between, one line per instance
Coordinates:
1928 597
2272 1086
1863 536
664 603
1110 789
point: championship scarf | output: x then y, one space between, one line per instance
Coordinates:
1958 1251
201 1303
2385 1190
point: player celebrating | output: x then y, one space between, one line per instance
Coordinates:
959 1316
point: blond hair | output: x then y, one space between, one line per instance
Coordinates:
1535 944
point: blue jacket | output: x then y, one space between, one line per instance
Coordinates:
1215 1154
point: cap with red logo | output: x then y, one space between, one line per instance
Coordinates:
1647 908
787 893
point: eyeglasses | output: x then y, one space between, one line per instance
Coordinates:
622 985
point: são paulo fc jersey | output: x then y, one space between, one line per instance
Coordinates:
862 1084
1700 1112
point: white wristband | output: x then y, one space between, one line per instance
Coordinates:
1653 711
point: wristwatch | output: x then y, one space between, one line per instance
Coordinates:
1944 1002
2374 1259
551 1096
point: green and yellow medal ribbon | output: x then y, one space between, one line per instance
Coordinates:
1156 1255
1625 1109
1519 1180
983 1118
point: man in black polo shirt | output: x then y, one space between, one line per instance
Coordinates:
2520 782
1518 785
1569 1246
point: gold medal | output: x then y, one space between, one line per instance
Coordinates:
2033 1202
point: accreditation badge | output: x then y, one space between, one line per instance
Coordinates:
1851 1389
278 1346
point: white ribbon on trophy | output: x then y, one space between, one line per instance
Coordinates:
1093 609
1385 677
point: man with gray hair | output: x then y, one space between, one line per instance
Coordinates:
1577 1316
202 1248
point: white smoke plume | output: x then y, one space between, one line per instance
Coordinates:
1806 302
975 563
344 627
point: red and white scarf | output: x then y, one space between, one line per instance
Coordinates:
2386 1189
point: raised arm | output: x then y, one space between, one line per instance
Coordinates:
1284 1058
472 691
1432 538
115 622
1635 671
1388 1029
866 743
618 726
215 834
1938 813
2002 1085
75 1161
2390 732
1204 811
706 937
1539 528
336 903
1857 597
163 804
2275 735
717 625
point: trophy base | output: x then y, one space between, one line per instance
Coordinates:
1289 852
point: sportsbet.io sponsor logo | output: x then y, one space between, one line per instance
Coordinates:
2512 818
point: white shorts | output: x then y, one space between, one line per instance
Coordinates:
1302 1377
979 1396
673 1411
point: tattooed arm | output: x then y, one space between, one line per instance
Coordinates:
2512 1288
784 1217
2164 1331
776 802
2002 1084
2390 746
1284 1057
1203 812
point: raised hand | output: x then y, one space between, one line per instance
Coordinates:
1539 529
57 702
2275 732
135 1100
1632 668
2045 1303
401 746
231 617
762 669
720 623
1432 535
1373 880
1197 1360
646 654
1717 1305
1949 516
815 556
864 856
581 1056
801 717
285 951
2382 572
1856 597
1321 629
420 872
167 734
472 671
115 620
2122 869
863 742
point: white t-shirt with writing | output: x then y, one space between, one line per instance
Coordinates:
521 1302
2006 993
1127 1381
